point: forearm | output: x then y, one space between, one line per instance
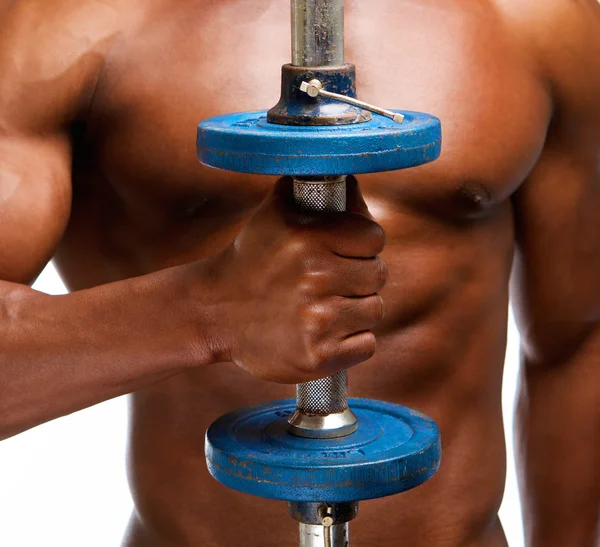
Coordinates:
60 354
558 439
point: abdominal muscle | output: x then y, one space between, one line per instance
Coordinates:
440 350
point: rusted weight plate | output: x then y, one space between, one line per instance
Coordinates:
247 143
393 450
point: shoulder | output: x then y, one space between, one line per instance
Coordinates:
562 37
51 55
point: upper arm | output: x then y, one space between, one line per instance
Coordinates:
556 281
51 53
34 202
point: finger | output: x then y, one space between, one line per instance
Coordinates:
355 202
348 277
355 315
350 352
282 194
354 236
349 234
338 318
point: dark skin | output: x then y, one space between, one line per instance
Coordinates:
202 291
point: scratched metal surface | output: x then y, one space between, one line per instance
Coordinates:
295 107
393 450
245 142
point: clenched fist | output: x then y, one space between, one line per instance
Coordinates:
298 294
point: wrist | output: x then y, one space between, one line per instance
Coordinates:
201 303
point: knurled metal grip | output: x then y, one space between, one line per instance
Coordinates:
322 406
326 396
320 194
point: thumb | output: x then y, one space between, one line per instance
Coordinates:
355 202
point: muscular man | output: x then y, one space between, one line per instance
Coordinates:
198 289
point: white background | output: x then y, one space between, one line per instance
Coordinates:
63 484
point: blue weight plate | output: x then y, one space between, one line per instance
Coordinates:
393 450
247 143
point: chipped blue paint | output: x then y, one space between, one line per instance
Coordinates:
393 450
250 450
247 143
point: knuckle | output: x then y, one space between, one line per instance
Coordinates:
299 243
367 347
314 281
315 361
369 235
381 273
317 319
378 308
377 237
372 311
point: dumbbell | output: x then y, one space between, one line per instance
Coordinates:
322 453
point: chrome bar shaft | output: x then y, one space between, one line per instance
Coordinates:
312 535
322 406
317 32
318 40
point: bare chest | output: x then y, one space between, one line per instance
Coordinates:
202 59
